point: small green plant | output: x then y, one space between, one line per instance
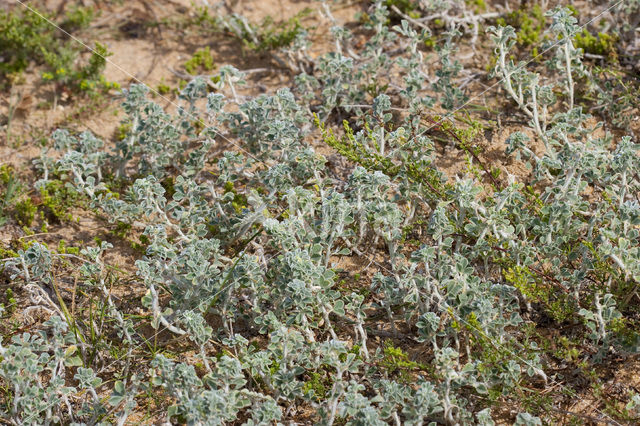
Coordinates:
204 19
567 350
407 7
24 212
89 78
6 174
395 360
202 59
27 38
78 18
63 248
524 280
23 38
617 94
602 44
480 5
269 35
239 201
317 386
57 199
121 229
529 24
122 131
10 301
354 150
10 190
163 89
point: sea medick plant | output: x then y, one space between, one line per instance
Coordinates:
242 248
570 223
35 368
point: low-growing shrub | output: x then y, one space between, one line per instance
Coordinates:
243 252
26 37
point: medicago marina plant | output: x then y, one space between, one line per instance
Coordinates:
306 254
